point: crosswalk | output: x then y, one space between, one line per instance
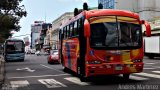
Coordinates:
55 83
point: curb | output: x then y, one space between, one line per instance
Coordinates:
2 70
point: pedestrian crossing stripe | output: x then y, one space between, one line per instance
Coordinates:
148 75
150 63
16 84
132 77
76 81
138 78
149 68
156 72
51 83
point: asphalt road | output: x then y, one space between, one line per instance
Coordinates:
36 74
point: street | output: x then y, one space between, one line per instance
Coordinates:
36 74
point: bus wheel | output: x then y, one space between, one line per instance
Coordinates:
80 74
22 60
126 76
151 57
83 79
63 67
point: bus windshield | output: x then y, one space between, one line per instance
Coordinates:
14 46
115 32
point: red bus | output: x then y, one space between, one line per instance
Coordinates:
103 42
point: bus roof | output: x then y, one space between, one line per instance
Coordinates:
102 12
14 39
108 12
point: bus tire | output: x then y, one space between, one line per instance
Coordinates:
126 76
151 57
80 74
83 79
63 67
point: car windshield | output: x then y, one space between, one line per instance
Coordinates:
115 32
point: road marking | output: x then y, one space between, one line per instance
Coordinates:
16 84
51 83
149 68
26 68
132 77
148 75
156 71
38 76
150 63
51 68
76 81
138 78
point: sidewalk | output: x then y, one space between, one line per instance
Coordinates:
2 70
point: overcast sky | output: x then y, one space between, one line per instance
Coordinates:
49 10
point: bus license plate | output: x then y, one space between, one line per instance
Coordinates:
118 67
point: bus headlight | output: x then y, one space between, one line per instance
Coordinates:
94 62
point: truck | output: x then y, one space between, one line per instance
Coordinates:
152 44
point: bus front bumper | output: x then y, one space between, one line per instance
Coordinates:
113 69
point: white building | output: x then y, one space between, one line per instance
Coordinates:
55 27
35 32
147 9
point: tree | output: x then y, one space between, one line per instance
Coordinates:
100 6
10 14
85 6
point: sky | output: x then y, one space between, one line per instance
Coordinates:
47 10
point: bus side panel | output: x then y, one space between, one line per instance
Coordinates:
71 53
74 50
64 52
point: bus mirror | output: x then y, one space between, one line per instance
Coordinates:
148 28
86 28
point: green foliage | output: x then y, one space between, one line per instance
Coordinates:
10 14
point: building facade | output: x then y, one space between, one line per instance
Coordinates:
55 28
147 9
35 32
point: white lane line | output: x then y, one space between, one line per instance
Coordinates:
138 78
132 77
16 84
149 68
156 72
150 63
38 76
51 83
76 81
148 75
51 68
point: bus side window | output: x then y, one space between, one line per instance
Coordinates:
79 26
64 32
68 31
75 28
71 29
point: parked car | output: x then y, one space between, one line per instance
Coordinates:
53 57
37 53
